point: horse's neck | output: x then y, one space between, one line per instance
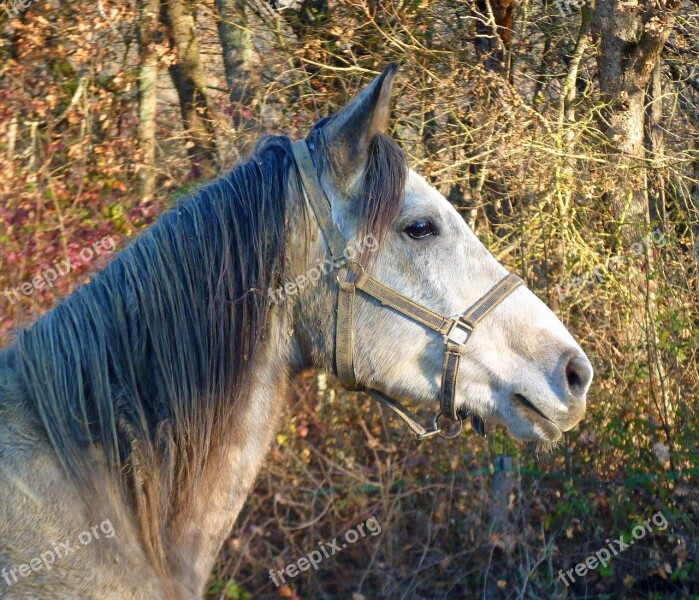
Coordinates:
199 532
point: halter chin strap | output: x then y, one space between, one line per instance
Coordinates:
351 277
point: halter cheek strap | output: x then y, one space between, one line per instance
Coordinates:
351 278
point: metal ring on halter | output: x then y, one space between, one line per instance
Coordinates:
440 431
346 264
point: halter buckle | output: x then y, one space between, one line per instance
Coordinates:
350 265
440 431
459 332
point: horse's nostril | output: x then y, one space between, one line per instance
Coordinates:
578 375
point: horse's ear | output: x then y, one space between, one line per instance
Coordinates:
349 133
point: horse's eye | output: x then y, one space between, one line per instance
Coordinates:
420 229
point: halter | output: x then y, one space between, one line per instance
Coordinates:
351 277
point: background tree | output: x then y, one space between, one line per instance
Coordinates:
189 80
149 11
238 55
631 37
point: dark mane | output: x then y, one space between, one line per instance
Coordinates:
148 360
385 180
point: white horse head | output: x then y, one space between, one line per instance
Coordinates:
520 367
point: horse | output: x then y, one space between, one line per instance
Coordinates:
136 414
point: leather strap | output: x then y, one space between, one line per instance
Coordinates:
403 413
439 323
450 371
404 305
344 336
417 312
495 296
344 327
456 331
318 200
452 356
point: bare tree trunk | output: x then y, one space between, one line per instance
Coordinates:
629 51
188 77
149 11
630 46
655 146
236 42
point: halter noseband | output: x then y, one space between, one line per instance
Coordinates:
351 277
